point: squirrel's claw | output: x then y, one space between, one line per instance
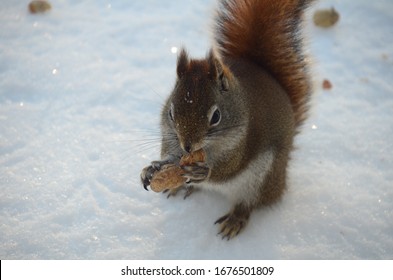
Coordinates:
232 223
230 226
147 174
145 186
172 192
189 189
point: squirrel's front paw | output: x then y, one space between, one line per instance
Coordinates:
196 172
189 189
148 172
147 175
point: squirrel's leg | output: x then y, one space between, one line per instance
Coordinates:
233 222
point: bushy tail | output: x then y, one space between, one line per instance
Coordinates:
268 33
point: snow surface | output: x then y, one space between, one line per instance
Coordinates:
81 88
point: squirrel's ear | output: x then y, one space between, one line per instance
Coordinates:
182 63
217 71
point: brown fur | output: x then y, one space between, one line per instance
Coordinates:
266 32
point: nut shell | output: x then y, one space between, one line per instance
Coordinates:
39 6
170 175
197 156
326 17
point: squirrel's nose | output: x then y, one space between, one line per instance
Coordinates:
186 145
187 148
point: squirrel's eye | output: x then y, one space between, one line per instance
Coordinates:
170 113
215 118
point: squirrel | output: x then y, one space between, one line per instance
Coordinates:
243 105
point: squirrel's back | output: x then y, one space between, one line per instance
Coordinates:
267 33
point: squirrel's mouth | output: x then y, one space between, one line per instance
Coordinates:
189 147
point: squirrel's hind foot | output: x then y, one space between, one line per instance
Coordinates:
234 222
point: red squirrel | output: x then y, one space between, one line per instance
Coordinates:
243 105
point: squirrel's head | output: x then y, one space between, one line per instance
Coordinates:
195 110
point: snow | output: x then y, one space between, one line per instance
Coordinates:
81 89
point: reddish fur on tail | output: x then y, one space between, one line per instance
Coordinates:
267 32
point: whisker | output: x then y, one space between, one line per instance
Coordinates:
162 98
